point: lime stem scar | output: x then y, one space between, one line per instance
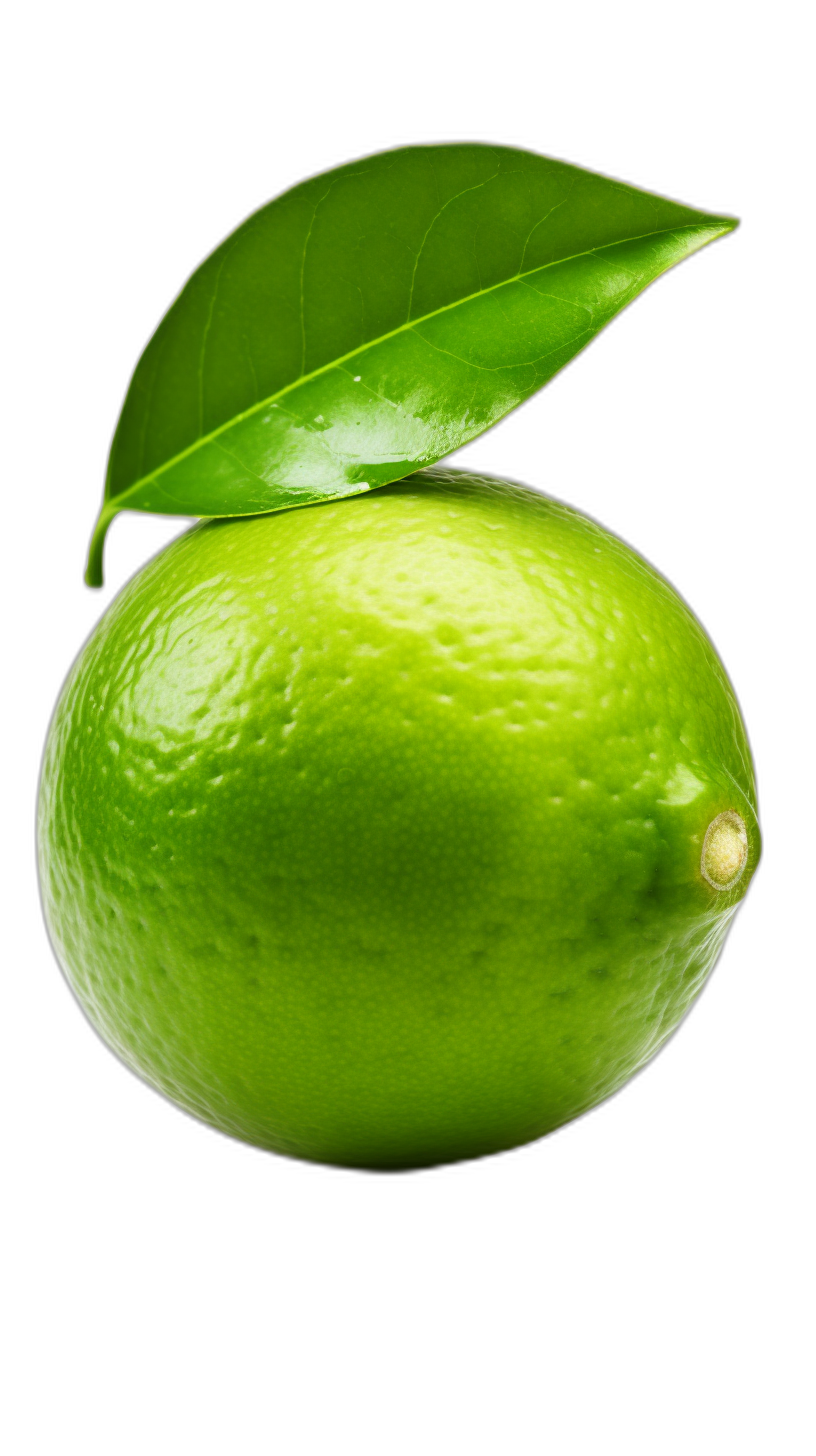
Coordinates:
725 850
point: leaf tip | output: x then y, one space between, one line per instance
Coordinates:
727 225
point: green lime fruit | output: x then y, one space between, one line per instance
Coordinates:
398 830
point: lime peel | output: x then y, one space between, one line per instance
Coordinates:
399 859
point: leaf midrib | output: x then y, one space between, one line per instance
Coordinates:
723 224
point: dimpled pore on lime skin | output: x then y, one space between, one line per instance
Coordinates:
373 833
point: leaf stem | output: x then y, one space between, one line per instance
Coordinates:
93 570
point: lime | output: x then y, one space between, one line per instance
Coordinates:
398 830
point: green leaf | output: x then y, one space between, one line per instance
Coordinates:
376 318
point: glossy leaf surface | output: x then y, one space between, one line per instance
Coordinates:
374 319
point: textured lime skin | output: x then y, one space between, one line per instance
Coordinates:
371 833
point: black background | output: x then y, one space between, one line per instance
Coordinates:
654 431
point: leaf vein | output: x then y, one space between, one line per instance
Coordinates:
433 223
